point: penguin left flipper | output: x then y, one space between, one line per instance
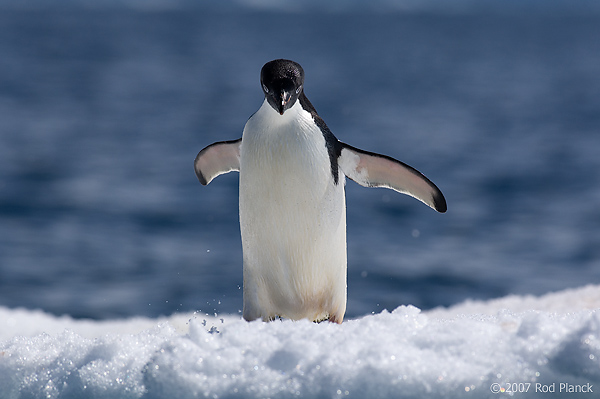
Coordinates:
375 170
217 159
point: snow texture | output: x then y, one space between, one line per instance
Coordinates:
545 343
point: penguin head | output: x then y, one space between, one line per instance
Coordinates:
282 82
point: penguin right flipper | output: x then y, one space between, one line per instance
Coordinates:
375 170
217 159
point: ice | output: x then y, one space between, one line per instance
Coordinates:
520 343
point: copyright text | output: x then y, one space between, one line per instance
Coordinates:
538 387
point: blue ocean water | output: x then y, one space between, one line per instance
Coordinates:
102 111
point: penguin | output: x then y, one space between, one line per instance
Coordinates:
292 204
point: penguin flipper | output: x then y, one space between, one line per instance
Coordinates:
375 170
217 159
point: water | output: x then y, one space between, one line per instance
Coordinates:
102 112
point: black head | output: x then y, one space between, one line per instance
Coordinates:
282 82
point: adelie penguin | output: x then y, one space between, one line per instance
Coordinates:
292 200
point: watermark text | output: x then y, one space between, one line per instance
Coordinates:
537 387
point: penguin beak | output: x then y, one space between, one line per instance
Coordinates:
285 98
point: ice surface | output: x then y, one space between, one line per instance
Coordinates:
452 353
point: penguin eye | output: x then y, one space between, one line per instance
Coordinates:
265 88
298 89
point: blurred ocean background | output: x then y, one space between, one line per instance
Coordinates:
104 105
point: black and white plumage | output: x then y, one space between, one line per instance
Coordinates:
292 200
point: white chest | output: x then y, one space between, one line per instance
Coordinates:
292 218
284 151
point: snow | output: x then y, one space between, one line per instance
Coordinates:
535 344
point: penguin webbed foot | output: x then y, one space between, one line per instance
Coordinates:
330 319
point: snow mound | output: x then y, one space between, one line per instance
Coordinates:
518 346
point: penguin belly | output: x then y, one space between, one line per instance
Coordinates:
292 220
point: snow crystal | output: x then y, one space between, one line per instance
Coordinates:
476 349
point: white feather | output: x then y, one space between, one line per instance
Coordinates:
292 219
